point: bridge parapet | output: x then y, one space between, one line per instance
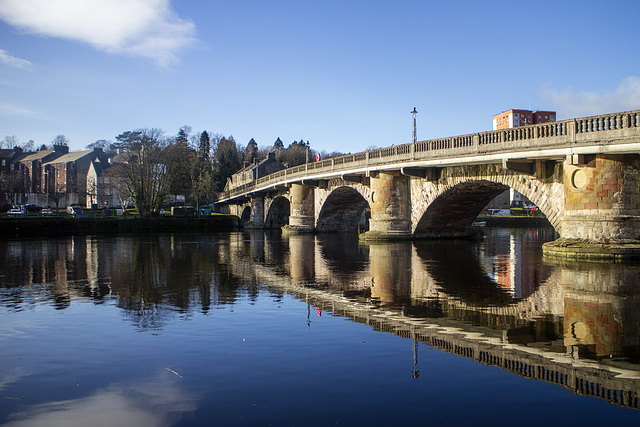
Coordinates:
556 139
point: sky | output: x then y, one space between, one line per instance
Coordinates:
341 74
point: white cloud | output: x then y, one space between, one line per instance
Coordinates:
144 28
7 59
570 104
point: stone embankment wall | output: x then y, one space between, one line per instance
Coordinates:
15 228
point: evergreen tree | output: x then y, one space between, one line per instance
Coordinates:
227 161
251 152
183 135
205 147
202 174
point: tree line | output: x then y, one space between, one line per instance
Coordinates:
150 165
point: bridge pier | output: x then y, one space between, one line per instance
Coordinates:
302 217
257 211
601 208
389 208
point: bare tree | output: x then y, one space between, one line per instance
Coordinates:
9 141
60 140
147 175
11 184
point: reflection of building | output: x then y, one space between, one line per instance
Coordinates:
507 263
514 118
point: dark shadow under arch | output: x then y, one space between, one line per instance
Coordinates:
344 210
278 215
246 215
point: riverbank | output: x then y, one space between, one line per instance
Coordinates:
513 221
64 226
39 226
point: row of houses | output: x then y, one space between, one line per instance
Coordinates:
57 177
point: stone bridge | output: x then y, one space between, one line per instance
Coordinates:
583 174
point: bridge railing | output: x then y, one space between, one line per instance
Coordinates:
561 134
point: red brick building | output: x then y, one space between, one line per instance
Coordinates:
514 118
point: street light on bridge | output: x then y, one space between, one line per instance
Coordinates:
413 115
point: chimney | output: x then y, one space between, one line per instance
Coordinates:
63 149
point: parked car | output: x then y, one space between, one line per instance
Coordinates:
31 209
74 210
46 212
16 212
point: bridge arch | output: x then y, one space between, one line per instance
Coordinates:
452 213
278 213
245 217
344 209
449 206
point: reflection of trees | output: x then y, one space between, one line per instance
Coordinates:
165 273
142 291
152 277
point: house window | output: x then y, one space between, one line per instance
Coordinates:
4 162
106 180
101 180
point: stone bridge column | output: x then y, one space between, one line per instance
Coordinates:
257 211
389 208
602 208
302 217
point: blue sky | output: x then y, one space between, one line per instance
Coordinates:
343 75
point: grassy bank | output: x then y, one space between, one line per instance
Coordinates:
64 225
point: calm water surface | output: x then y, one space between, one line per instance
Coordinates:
258 329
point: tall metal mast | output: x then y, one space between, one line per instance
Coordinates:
415 133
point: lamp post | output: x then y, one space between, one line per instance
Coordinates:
415 133
46 184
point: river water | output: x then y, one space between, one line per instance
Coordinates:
259 329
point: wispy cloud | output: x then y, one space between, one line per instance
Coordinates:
577 104
15 110
142 28
7 59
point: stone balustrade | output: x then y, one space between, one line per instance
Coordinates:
587 132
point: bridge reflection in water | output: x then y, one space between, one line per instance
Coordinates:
573 324
497 302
